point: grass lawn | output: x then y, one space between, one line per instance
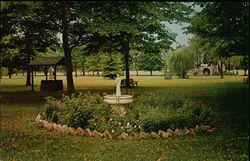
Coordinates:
21 139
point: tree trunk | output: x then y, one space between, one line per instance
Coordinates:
183 74
151 73
137 74
93 73
125 50
245 72
220 68
83 71
75 72
46 72
9 72
67 52
28 50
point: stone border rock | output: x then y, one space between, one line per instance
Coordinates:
64 129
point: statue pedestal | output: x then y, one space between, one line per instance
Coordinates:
119 109
117 101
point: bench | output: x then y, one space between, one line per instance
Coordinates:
132 83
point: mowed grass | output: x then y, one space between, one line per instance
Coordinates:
22 139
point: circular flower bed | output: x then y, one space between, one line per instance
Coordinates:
64 129
149 116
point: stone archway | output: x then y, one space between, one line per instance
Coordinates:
206 71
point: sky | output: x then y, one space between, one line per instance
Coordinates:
181 38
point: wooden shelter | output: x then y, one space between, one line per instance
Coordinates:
46 63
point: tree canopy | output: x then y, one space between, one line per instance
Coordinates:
98 25
224 24
181 60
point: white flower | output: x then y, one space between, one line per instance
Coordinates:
128 123
135 126
112 131
122 127
119 123
139 127
110 119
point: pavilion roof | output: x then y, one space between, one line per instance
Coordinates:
47 61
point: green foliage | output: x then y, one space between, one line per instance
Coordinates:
163 112
147 113
92 63
151 62
77 110
52 108
79 57
244 63
111 65
181 60
192 114
223 24
234 62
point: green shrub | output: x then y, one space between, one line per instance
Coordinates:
52 108
229 73
155 124
77 110
148 112
163 112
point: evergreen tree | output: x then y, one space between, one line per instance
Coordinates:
111 65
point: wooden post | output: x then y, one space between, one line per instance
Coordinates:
46 72
54 73
32 79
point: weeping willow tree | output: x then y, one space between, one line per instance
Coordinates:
181 60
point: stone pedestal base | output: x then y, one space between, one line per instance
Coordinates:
119 109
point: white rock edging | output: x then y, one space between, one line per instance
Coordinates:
64 129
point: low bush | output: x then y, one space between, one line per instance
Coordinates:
77 110
52 108
149 112
171 111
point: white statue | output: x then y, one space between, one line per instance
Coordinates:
118 85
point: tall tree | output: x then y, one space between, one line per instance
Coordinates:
244 64
79 59
137 24
224 25
11 57
151 62
111 65
93 63
30 35
72 20
135 59
181 60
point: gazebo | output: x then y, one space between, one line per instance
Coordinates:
46 63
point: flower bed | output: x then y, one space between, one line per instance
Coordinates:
148 115
64 129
